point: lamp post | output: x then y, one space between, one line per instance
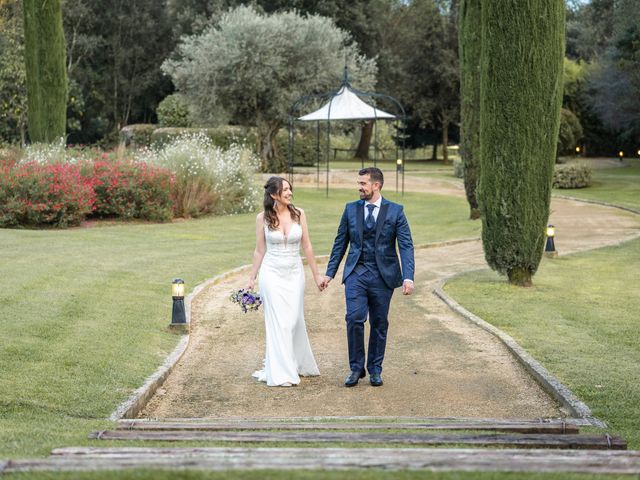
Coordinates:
398 171
550 247
178 316
621 155
578 150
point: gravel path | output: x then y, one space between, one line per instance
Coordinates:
437 364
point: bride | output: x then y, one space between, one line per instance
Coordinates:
280 231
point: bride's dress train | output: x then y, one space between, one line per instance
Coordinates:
288 352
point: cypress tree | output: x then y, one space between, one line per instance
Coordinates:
469 47
520 99
45 62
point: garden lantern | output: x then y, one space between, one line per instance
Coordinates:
177 292
550 247
398 171
621 155
578 150
639 153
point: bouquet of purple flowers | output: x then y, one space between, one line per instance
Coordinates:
247 299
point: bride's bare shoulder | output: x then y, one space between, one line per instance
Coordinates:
260 217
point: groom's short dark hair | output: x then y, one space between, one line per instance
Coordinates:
375 174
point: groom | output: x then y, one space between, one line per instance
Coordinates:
370 228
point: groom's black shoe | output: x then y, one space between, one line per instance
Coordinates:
352 379
375 379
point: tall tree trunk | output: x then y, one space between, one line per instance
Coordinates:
270 160
45 65
434 152
362 152
521 94
469 42
445 140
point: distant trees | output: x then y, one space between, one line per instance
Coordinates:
115 52
115 49
616 78
520 99
13 89
46 73
426 84
250 67
603 41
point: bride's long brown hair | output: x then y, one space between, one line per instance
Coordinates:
274 186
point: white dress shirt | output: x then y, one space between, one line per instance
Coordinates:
376 210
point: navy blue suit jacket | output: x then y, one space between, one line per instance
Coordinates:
391 226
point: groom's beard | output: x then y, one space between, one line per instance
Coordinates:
365 196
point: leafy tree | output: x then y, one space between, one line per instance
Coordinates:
570 133
616 79
429 86
365 20
13 89
46 74
520 99
574 79
250 68
192 16
115 52
589 28
470 35
173 111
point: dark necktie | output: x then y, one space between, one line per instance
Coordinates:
370 221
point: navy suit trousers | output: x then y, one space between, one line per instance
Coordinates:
367 295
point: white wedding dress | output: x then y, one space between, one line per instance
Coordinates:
288 352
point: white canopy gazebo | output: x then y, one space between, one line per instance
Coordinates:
344 104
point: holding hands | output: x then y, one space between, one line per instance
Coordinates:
324 281
320 282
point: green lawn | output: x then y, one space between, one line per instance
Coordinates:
388 166
83 311
620 186
580 320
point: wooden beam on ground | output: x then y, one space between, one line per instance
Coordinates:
487 440
514 427
372 419
434 459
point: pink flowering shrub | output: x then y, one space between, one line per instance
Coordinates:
61 194
33 194
131 189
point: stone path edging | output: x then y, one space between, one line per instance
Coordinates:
559 391
535 369
131 407
137 401
598 202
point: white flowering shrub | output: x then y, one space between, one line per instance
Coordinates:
208 178
59 153
45 153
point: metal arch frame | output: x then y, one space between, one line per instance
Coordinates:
294 111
